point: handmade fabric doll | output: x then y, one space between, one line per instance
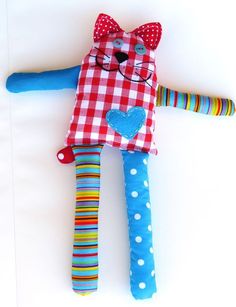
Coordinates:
116 95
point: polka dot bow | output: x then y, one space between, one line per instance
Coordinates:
149 32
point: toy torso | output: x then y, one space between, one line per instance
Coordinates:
115 77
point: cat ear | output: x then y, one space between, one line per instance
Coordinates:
150 34
105 25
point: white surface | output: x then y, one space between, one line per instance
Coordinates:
192 181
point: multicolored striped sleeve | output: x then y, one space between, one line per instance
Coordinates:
196 103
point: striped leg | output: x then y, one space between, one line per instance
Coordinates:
85 248
142 274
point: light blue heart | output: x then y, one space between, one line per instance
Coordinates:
128 123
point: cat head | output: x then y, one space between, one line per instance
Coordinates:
131 54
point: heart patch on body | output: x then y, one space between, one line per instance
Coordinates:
128 123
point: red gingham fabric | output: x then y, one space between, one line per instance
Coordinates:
106 84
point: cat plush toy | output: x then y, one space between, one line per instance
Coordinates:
115 105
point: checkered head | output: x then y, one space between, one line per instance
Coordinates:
132 54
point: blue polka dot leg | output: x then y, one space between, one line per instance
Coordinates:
142 270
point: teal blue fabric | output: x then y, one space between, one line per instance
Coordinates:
47 80
128 123
142 271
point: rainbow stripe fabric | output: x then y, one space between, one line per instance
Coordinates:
85 247
196 103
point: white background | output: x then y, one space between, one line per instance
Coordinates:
192 180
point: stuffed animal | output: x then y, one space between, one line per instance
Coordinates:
116 96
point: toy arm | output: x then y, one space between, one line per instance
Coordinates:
47 80
196 103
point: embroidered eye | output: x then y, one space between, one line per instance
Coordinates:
118 42
140 49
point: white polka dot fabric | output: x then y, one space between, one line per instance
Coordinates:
150 33
104 26
142 276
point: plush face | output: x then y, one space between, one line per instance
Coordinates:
126 53
132 54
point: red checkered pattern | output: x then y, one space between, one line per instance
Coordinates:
106 84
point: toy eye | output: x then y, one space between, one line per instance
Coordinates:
118 42
140 49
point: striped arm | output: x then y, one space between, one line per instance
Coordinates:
85 247
196 103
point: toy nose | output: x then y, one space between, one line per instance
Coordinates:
121 57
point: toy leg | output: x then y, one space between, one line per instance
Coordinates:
142 274
85 248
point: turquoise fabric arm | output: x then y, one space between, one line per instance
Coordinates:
47 80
